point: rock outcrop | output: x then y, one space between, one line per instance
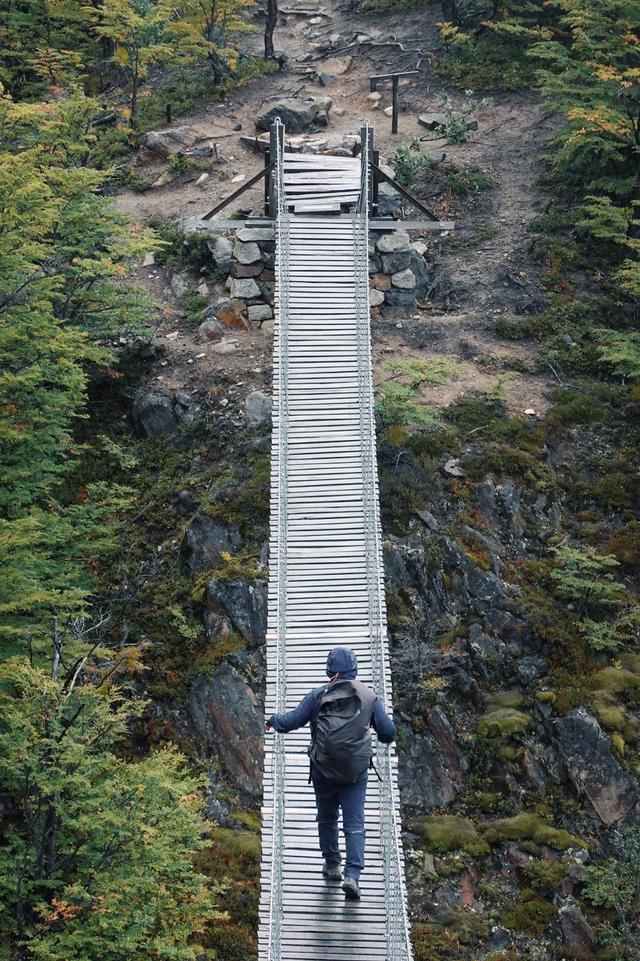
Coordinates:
227 720
592 767
243 602
205 540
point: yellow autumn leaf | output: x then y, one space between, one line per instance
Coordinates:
121 55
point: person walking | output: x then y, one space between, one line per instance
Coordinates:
341 715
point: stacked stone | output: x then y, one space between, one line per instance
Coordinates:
398 277
249 259
398 273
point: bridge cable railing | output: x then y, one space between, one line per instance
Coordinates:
399 945
280 439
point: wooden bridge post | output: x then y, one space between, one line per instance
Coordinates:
276 133
366 143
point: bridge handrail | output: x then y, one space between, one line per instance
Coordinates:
280 438
399 944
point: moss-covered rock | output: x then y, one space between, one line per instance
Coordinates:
448 832
545 875
615 680
530 917
503 722
529 827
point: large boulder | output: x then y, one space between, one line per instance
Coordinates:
205 540
161 144
258 408
432 765
592 767
243 602
227 719
153 414
580 941
296 115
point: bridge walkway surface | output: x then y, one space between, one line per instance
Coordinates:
326 576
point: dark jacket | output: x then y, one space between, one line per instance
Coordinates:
308 707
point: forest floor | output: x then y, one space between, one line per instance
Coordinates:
488 262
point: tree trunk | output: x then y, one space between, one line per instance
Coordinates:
221 70
269 27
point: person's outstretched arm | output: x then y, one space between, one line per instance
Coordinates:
298 717
382 724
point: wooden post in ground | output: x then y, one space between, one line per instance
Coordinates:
394 78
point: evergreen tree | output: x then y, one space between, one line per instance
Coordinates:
590 72
63 253
41 43
206 31
136 30
97 861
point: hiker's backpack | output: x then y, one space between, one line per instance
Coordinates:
341 731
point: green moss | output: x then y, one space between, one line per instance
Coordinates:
616 490
573 408
612 717
240 566
245 844
618 744
630 662
545 876
475 551
624 544
448 832
504 460
529 827
503 722
510 753
504 699
248 820
446 937
613 680
530 917
432 944
546 697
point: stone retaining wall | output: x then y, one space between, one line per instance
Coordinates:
397 270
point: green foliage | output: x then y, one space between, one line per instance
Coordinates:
396 405
590 73
607 616
458 125
620 351
43 44
137 33
485 42
615 886
97 860
63 256
433 372
408 160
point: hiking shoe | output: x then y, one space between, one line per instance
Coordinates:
332 871
351 888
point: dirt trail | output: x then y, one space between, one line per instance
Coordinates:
487 262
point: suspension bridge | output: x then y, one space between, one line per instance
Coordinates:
326 575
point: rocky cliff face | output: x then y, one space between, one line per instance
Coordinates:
518 742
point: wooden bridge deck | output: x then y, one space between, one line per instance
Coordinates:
326 582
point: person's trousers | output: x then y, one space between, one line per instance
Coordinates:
330 799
